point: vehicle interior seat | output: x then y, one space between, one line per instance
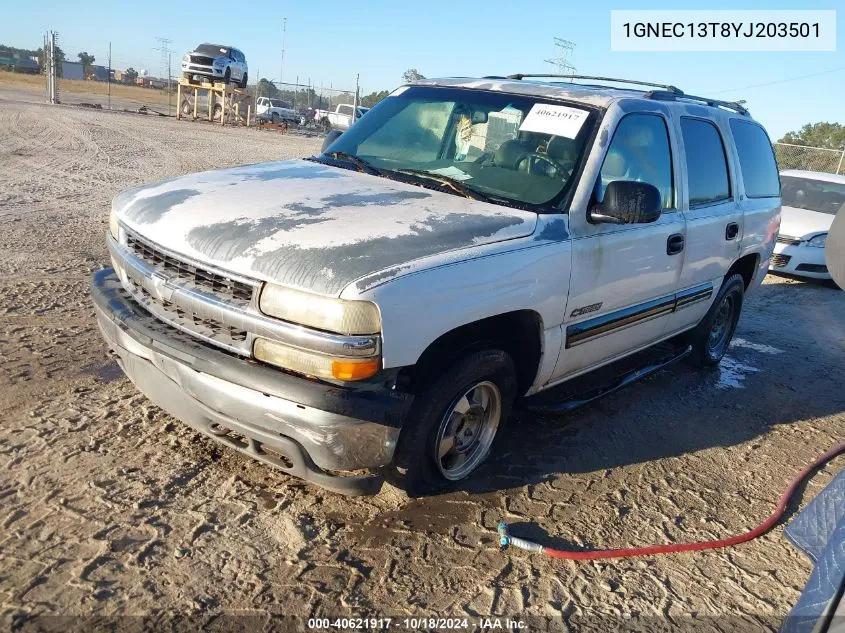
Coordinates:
510 153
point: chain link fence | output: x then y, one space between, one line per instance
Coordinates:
810 158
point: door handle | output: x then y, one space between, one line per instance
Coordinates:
731 231
675 244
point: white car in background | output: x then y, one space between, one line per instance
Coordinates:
810 200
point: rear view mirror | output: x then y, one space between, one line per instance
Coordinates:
330 138
628 202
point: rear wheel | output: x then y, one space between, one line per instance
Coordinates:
454 422
712 337
227 76
243 81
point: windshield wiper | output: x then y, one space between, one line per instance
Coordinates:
360 163
452 183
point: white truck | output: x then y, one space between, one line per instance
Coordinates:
340 118
377 310
275 110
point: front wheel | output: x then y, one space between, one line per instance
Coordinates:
243 81
454 422
712 337
227 76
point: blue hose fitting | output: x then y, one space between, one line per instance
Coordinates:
504 537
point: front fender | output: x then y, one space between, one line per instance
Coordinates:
419 306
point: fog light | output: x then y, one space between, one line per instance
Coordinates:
311 364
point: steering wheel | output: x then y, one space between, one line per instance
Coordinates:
535 158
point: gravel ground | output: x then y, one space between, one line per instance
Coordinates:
111 508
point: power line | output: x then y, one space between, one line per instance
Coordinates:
780 81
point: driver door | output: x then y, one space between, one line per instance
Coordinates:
624 276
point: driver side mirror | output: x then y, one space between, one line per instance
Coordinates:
628 202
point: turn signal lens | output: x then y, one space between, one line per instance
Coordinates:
311 364
355 369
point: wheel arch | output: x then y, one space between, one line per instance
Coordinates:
519 333
746 266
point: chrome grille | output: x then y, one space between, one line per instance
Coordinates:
228 289
788 239
779 260
209 329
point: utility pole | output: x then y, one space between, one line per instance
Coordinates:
284 35
109 76
164 48
169 87
561 62
355 104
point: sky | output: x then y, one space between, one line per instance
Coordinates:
330 42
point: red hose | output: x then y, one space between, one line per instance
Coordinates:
672 548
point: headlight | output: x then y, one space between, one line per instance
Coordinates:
817 240
322 313
114 227
312 364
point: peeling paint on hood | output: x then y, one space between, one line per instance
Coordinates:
308 225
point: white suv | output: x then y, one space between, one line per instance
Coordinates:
217 63
470 244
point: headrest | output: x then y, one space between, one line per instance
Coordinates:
509 154
615 166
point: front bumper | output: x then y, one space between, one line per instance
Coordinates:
800 260
301 426
206 71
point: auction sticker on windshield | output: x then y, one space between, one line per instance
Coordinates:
554 119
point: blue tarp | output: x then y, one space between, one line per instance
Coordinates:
819 531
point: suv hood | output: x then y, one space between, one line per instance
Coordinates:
802 222
308 225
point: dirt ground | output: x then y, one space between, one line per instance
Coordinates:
110 508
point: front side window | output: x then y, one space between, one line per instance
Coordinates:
514 148
640 151
756 160
707 166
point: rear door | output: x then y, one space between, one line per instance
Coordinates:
624 277
713 216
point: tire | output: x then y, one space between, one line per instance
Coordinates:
274 118
217 113
227 76
712 336
453 422
244 81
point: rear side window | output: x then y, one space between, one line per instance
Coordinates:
707 167
756 160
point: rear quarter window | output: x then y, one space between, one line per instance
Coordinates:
756 159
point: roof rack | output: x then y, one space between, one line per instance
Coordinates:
661 95
666 87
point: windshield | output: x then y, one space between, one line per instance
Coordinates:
513 147
212 50
278 103
814 195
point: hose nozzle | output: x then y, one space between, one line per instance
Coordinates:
506 539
